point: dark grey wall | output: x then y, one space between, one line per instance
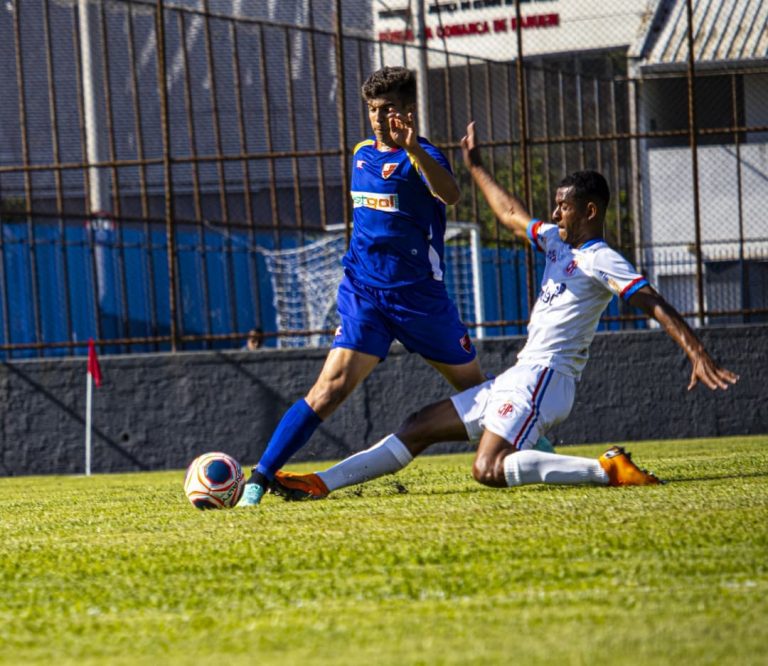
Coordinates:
159 411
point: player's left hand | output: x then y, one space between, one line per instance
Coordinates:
706 371
402 129
469 150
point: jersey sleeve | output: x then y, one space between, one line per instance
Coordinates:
540 234
436 155
617 274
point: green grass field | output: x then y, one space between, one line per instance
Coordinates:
426 567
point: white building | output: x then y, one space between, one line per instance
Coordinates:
731 65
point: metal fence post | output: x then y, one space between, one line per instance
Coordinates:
693 142
167 172
522 106
341 110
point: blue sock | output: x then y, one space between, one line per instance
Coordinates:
293 432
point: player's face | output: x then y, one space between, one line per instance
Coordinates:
570 216
378 109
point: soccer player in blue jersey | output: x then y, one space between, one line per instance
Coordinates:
393 284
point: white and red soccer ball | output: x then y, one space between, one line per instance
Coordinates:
214 481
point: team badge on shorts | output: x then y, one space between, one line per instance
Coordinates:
466 343
338 332
388 169
506 409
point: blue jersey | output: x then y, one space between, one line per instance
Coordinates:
399 224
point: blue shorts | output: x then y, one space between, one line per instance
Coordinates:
421 316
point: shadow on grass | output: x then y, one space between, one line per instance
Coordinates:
723 477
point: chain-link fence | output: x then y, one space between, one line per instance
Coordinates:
154 155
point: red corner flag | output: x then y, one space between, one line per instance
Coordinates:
93 363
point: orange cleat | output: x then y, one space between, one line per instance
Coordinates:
298 487
621 471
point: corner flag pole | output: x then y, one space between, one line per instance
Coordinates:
94 374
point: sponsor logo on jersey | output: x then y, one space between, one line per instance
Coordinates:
506 409
386 202
571 268
466 343
388 169
551 292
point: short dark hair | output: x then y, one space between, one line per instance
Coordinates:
588 186
398 81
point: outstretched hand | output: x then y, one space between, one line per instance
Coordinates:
402 129
469 150
706 371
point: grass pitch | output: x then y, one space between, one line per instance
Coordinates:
426 567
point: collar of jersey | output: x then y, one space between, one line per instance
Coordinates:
590 243
388 150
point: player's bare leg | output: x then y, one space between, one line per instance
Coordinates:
488 467
461 377
438 422
498 465
343 370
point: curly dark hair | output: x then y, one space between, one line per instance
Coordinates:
398 81
588 186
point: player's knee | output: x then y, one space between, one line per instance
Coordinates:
327 394
489 471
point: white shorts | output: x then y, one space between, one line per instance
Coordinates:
520 405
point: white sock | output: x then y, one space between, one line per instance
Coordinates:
388 456
531 466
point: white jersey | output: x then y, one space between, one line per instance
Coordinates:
577 286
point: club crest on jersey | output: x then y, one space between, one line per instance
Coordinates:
360 164
552 255
466 343
506 409
388 169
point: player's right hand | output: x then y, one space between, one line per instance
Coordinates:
402 129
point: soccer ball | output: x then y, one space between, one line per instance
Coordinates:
214 481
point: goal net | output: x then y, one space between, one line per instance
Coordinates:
304 282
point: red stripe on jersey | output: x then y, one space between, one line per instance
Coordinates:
535 234
630 285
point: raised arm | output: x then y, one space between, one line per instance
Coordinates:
506 206
704 369
441 181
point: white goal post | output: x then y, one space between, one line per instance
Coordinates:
304 281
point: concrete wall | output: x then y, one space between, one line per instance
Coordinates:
159 411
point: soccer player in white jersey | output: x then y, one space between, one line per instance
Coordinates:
509 414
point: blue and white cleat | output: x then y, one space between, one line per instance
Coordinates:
251 495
